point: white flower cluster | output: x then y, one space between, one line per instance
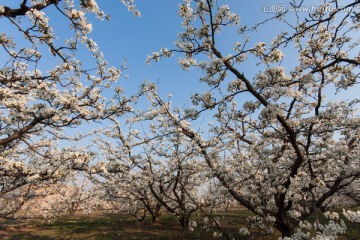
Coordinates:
330 230
131 7
38 19
114 73
217 234
33 178
244 232
76 14
275 56
331 215
224 14
352 215
156 56
187 63
192 225
250 106
185 9
236 85
259 49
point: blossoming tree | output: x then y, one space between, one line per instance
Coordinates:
151 176
45 89
275 143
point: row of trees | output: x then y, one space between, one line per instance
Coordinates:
275 145
45 90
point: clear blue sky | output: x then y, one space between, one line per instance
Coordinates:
126 36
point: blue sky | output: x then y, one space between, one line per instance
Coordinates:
126 36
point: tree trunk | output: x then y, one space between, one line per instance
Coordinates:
184 221
285 227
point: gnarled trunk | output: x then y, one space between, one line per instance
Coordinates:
284 226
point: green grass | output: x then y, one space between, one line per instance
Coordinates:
94 228
98 227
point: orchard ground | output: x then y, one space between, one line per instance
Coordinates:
110 226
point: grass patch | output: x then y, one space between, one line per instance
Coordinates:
103 227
